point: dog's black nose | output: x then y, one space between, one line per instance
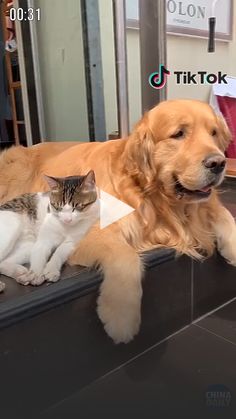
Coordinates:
215 163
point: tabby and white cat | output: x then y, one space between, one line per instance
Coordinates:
35 226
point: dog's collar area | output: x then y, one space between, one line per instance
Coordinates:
199 193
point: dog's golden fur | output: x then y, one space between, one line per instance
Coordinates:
140 170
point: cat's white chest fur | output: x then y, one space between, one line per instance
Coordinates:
42 208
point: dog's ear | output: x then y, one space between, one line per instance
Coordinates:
225 136
141 149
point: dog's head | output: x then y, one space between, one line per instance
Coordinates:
180 145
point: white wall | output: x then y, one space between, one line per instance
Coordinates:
134 76
190 54
62 69
108 64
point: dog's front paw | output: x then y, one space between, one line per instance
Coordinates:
121 321
2 286
51 275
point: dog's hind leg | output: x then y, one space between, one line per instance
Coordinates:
119 302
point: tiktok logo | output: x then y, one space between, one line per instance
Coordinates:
158 79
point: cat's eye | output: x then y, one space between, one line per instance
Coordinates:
56 208
81 207
214 132
178 134
78 207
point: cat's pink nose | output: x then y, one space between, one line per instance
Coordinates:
67 220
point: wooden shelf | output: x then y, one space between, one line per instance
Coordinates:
16 84
12 85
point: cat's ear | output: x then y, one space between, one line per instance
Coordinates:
89 181
52 182
90 177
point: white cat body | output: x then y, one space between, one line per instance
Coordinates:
27 238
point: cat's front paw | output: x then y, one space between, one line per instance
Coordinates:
23 276
51 275
37 280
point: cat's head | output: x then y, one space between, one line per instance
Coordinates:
72 197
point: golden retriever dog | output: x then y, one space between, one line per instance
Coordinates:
168 170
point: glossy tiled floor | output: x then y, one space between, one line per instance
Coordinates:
190 375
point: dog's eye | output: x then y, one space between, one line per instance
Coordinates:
214 132
178 134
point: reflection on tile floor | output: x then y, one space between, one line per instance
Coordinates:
190 375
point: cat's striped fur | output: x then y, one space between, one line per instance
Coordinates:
23 204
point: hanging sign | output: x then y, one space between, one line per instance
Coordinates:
190 17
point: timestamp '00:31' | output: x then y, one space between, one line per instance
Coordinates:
20 14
